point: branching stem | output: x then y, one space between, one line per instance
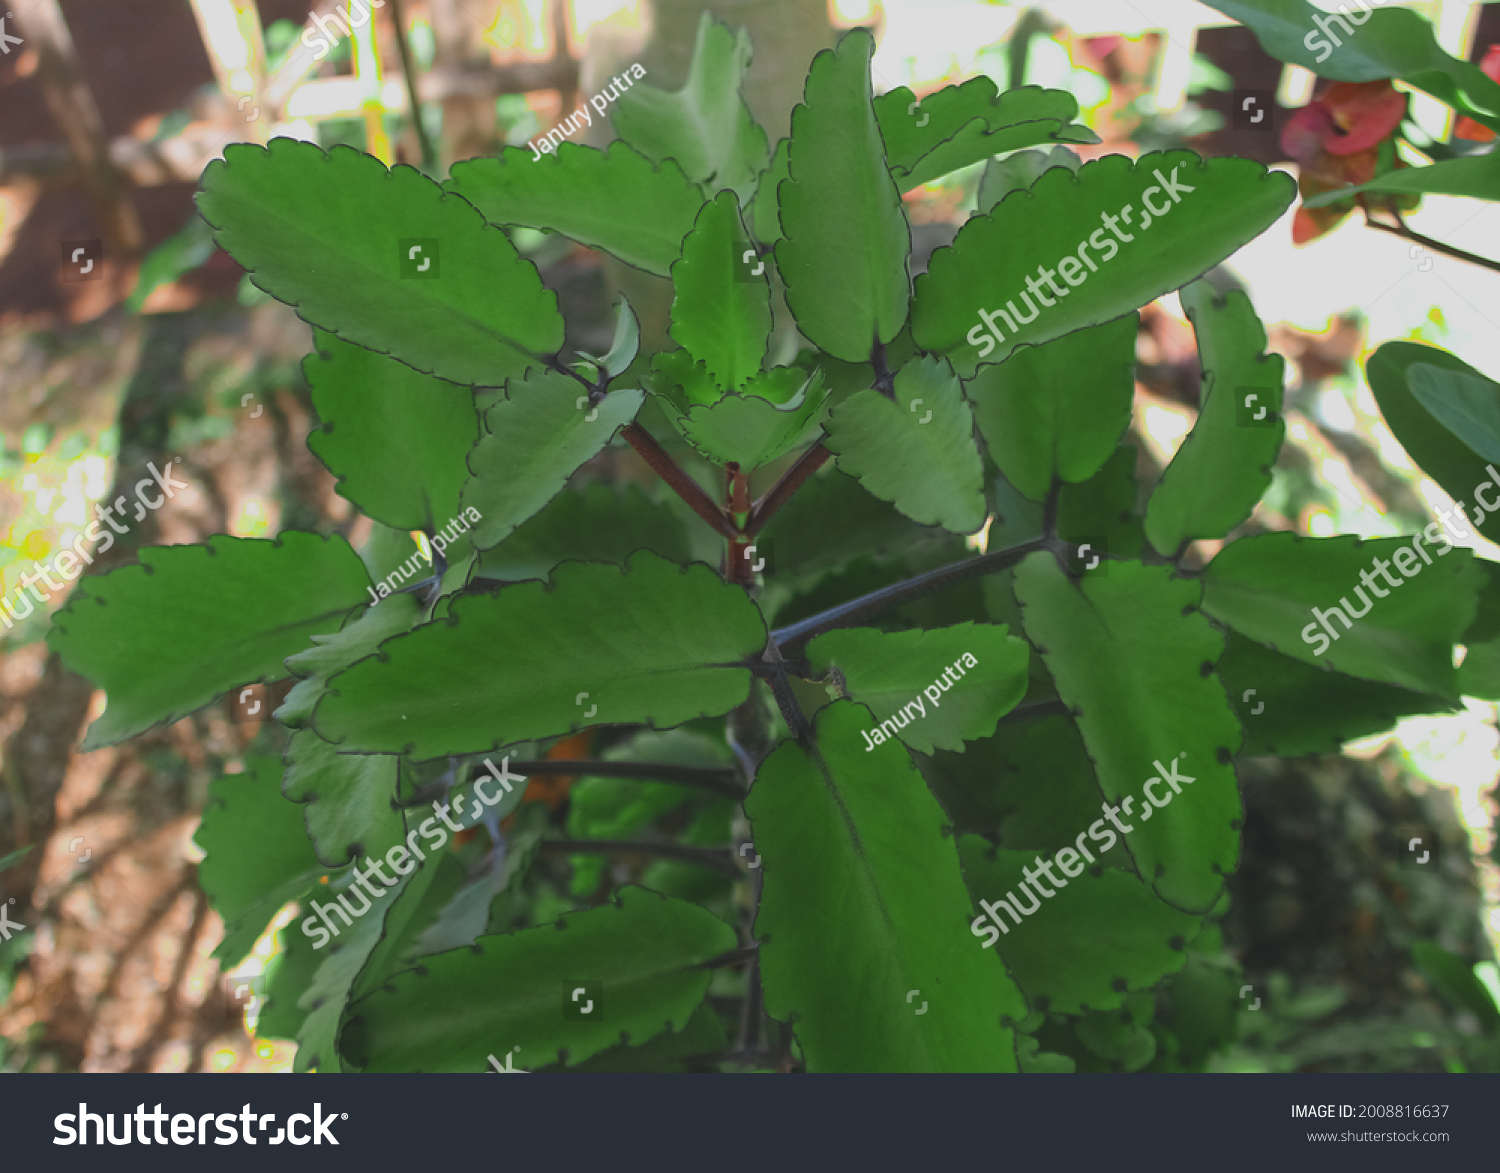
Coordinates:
781 492
683 485
1427 242
875 602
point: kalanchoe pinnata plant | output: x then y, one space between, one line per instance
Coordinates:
1011 804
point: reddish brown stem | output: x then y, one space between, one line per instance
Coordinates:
764 509
738 489
737 501
683 485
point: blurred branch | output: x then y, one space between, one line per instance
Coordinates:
73 106
174 160
1428 243
409 72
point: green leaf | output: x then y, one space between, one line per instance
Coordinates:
166 636
425 888
1446 458
1205 1010
1290 708
386 550
533 441
650 208
712 825
513 991
904 678
358 953
1224 466
256 856
169 260
843 257
705 126
831 521
1115 1037
1468 405
467 915
10 860
596 522
1100 934
1057 411
1206 209
1032 783
287 977
1266 587
350 798
721 314
1477 176
1103 507
658 644
333 653
1479 674
395 439
1018 172
683 382
963 124
765 221
332 234
917 452
863 902
626 343
1390 43
1130 657
1455 978
753 429
703 1035
615 808
1033 1060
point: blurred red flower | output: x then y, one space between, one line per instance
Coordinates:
1336 141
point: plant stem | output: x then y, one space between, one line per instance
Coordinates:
786 699
737 488
876 601
737 566
766 670
733 957
791 480
683 485
1034 711
409 72
552 362
716 858
750 1012
1436 246
719 780
885 380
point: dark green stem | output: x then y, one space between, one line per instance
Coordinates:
852 612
